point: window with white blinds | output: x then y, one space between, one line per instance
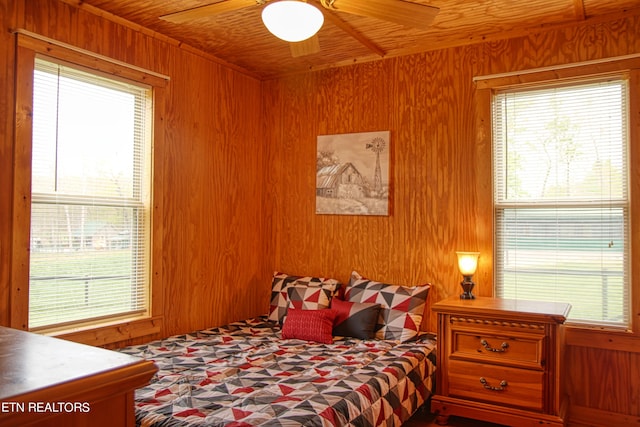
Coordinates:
90 197
561 197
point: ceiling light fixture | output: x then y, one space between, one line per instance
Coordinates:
292 20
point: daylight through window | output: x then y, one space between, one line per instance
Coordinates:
561 198
90 197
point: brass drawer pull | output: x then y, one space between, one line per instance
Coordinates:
501 387
503 347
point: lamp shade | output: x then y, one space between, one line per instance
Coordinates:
292 20
468 262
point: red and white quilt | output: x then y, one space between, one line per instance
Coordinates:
245 374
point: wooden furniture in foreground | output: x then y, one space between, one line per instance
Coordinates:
500 361
47 381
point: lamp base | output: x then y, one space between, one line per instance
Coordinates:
467 285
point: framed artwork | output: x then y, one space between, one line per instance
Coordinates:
352 174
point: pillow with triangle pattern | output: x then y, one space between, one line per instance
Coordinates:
280 286
308 297
401 307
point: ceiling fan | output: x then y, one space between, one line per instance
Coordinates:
406 13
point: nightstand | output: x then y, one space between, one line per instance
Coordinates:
499 360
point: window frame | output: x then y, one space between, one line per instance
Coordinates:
504 203
115 329
628 66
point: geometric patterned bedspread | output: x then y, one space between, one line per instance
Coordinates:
244 374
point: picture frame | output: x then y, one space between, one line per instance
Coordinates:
352 173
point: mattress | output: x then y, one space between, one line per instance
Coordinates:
245 374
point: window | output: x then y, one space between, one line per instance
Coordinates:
90 208
561 197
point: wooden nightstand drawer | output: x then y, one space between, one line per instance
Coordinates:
520 350
521 388
499 360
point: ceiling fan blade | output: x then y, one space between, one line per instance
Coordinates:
361 38
401 12
305 47
209 10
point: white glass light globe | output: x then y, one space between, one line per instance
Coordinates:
292 20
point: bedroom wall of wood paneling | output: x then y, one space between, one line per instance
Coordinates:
238 199
209 174
426 101
441 198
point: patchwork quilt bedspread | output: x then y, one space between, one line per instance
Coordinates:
244 374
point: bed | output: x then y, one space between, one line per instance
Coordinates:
300 365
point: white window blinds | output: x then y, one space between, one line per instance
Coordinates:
561 199
90 197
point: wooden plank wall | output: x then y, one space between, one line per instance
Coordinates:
441 197
238 195
211 164
434 204
7 55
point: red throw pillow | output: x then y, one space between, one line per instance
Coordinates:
309 325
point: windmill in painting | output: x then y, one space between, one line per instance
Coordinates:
377 146
352 174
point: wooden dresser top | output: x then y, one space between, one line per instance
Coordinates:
30 362
490 307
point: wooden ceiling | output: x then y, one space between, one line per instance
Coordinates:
240 39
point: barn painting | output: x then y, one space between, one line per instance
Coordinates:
352 174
